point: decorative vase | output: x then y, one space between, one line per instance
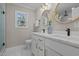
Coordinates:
50 28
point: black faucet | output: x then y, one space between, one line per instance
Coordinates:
43 30
68 31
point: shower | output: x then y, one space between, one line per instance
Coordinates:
2 15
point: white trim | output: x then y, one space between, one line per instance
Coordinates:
24 6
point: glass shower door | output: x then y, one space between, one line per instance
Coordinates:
1 28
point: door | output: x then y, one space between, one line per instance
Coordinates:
1 27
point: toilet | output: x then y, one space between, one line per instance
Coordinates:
28 43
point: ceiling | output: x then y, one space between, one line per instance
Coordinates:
32 6
62 7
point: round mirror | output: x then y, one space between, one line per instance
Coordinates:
67 12
45 17
44 21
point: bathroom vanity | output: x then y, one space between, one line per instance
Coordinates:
58 44
44 44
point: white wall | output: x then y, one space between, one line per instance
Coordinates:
17 36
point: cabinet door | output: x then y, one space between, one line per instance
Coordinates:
62 48
50 52
40 46
34 48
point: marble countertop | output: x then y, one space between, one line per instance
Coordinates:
71 40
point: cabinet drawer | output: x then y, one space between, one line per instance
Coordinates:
40 41
40 51
34 37
63 49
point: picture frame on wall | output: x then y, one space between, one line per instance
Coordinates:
21 19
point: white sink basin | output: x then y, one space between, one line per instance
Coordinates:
74 38
62 36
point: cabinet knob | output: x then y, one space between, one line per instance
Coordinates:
40 49
40 40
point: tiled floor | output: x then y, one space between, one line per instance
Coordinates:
17 51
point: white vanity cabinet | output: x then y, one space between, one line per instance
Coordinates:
43 45
38 45
62 48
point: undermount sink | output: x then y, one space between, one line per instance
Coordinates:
62 36
75 38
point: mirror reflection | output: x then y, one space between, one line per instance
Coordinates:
67 12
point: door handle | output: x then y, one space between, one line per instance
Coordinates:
40 40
